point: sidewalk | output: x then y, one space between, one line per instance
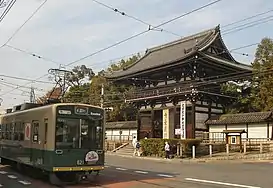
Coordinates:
233 157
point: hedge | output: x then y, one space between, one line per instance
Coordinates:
155 146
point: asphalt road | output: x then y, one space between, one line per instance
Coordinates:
134 173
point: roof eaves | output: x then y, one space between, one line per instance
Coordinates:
239 65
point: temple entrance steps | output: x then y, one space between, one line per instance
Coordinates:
126 150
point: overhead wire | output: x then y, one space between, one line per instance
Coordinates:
233 23
17 30
7 9
143 32
248 25
15 33
25 79
32 54
134 36
248 18
135 18
126 40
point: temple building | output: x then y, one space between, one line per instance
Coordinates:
179 85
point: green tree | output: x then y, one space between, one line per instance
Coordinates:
85 87
114 94
257 94
241 91
262 90
79 83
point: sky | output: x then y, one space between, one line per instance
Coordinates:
63 31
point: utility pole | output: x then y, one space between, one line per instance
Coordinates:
32 95
102 96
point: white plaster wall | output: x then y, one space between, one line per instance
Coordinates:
257 130
127 134
215 132
238 127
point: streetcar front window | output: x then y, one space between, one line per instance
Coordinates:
79 133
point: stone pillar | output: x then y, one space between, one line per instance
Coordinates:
168 123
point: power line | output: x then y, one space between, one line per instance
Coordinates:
36 80
143 32
32 54
25 79
246 46
32 15
233 31
6 11
126 40
249 23
134 36
247 18
135 18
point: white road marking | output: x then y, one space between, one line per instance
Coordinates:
3 172
220 183
24 182
1 185
123 169
12 176
141 172
165 175
106 166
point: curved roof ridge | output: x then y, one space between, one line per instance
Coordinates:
187 38
207 32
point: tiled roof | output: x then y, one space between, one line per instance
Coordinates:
253 117
169 52
172 52
228 63
121 125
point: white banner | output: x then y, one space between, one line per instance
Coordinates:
183 122
166 124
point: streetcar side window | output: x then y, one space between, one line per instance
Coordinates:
22 131
35 131
4 131
16 131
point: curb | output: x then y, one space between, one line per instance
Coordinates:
252 159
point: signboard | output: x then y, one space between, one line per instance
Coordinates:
183 122
81 110
166 123
91 157
27 131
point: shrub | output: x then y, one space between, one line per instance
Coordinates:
155 146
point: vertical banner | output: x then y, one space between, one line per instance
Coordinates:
183 123
166 123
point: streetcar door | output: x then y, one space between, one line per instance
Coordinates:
36 149
44 140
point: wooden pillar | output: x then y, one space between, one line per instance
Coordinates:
241 148
193 119
267 130
152 121
138 123
246 130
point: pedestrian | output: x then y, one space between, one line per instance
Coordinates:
134 142
167 150
137 152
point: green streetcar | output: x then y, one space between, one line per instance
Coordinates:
64 140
